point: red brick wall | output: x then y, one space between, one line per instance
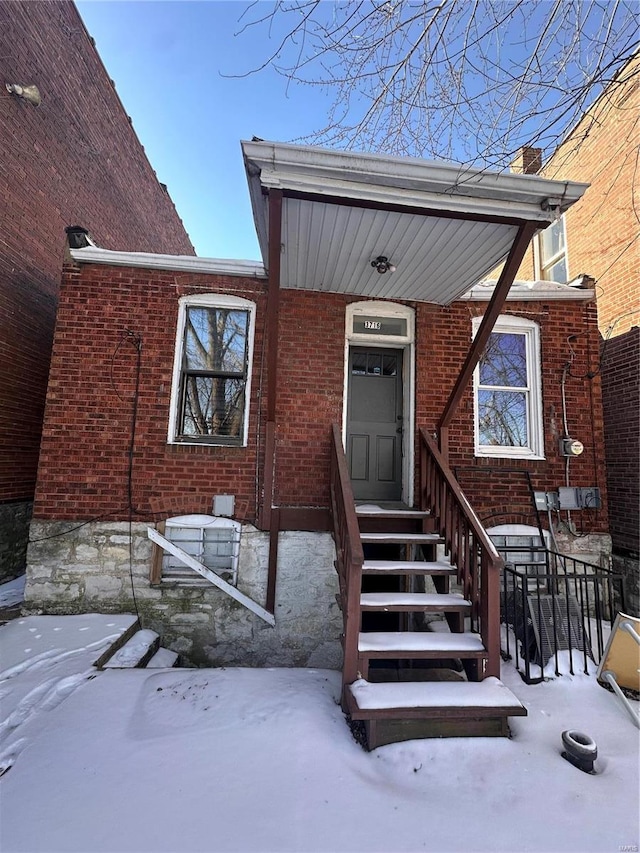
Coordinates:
621 397
603 241
83 470
506 481
83 467
604 226
75 159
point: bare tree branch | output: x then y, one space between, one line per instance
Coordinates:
466 80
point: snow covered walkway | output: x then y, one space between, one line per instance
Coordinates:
262 760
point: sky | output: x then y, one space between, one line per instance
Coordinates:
169 61
263 761
194 76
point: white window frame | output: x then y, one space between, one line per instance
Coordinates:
203 537
543 264
533 392
209 300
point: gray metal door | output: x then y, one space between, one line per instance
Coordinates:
374 423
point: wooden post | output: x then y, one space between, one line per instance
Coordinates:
273 315
270 517
520 245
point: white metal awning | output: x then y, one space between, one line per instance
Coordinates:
443 227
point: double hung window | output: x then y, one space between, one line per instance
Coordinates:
212 370
552 253
508 406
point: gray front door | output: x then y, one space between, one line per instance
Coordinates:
374 423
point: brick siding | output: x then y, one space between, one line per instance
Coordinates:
75 159
84 462
603 241
621 400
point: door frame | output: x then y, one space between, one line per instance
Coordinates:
403 341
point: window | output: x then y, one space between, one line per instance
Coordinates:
209 401
551 254
508 406
214 542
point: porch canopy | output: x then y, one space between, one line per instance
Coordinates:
443 227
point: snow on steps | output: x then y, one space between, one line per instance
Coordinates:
399 711
443 698
401 538
136 648
408 567
136 652
163 659
424 602
379 513
393 644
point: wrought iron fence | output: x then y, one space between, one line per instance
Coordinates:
555 609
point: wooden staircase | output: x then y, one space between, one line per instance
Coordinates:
401 678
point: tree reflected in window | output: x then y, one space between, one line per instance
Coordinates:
503 391
214 373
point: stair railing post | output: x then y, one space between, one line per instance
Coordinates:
490 613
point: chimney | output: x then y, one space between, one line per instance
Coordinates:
78 237
528 161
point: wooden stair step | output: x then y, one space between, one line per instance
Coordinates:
163 659
420 644
371 511
423 602
434 699
400 711
401 539
136 652
408 567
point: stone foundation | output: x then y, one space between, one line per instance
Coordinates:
98 568
594 548
629 568
14 536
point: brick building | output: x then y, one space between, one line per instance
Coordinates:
74 158
599 236
229 381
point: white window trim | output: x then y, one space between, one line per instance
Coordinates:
539 269
403 342
535 431
209 300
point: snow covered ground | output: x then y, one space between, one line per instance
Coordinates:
12 592
262 760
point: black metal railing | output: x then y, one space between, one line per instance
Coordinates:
552 604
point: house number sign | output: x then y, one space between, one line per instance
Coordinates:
364 325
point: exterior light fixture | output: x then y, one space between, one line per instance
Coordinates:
28 93
382 265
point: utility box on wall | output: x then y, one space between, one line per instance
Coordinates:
579 498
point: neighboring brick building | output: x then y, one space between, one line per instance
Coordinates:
74 159
599 237
176 381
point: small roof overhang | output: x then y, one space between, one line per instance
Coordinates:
178 263
443 227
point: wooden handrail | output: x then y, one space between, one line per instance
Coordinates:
467 543
349 555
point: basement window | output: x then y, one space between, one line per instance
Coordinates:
507 392
212 370
212 541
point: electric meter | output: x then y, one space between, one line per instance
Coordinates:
571 447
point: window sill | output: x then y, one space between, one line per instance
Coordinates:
212 443
504 453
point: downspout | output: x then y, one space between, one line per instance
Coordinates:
270 517
507 276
